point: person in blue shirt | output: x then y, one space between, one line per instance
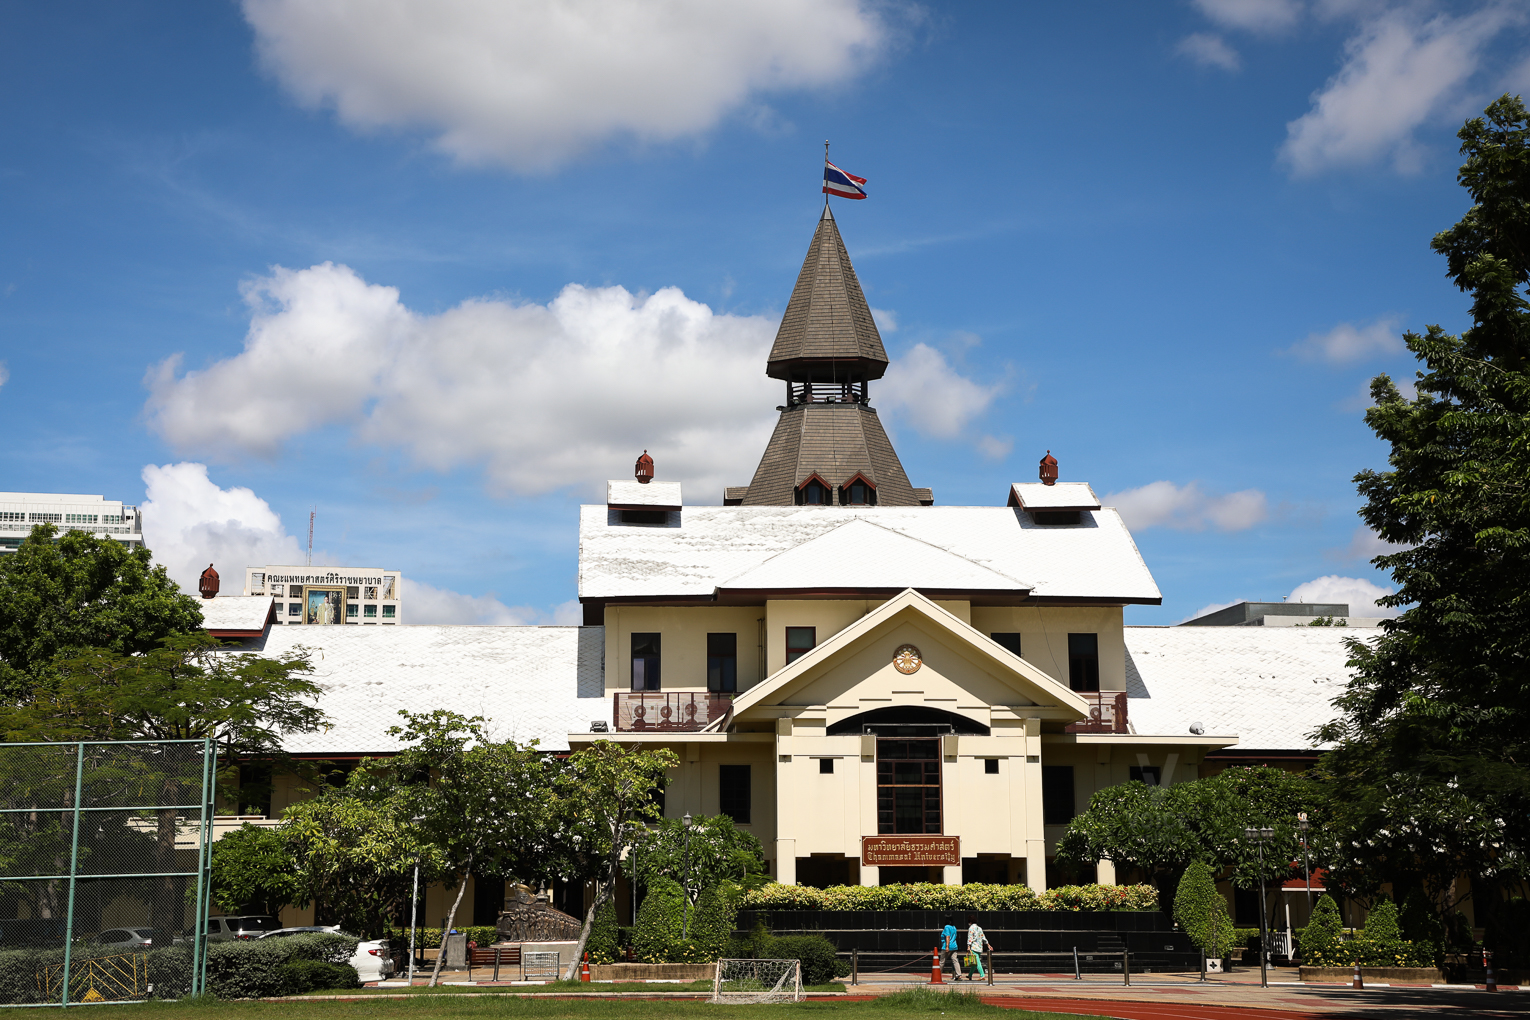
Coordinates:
949 951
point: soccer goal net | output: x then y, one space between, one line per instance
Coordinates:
751 981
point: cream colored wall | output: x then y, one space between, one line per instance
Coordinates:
828 616
1044 634
1100 765
683 634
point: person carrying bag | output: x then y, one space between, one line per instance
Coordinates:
977 944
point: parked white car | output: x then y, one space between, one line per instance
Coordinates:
372 959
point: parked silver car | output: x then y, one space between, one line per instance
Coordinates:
126 938
241 927
372 960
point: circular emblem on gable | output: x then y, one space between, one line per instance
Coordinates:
907 659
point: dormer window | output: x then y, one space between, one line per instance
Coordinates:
1055 516
858 492
814 492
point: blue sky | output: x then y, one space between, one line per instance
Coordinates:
440 269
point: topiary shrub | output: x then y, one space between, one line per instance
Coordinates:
1381 922
1320 939
318 975
712 925
657 937
604 936
257 969
1202 912
820 964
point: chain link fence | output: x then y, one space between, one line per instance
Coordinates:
104 868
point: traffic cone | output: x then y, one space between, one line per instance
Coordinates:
1491 984
584 968
935 976
1358 981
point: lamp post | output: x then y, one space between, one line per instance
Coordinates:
632 851
414 903
1303 825
1259 837
685 916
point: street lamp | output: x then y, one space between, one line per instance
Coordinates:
685 916
1303 825
1259 837
414 903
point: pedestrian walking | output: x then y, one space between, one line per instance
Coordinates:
950 952
977 944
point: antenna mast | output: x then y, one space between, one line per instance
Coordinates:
312 510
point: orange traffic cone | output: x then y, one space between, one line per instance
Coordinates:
1357 981
584 968
935 976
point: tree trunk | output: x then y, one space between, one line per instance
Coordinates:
451 919
589 922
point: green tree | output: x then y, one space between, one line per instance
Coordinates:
1201 911
605 936
1431 772
62 595
718 851
603 795
658 934
254 867
483 807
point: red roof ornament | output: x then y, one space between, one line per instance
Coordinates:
1049 469
644 470
208 583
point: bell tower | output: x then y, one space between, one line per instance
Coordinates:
829 447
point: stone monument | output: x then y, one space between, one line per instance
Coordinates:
530 917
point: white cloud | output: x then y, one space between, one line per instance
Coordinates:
886 319
1399 72
995 448
1348 342
1209 50
531 84
1252 15
924 390
1365 544
426 603
189 522
1359 594
1360 398
1188 507
5 374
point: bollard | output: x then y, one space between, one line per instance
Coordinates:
989 955
584 968
1078 975
1358 981
1126 967
1487 964
935 976
1203 965
855 966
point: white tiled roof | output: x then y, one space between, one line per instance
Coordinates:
235 612
860 554
1058 496
528 682
714 544
630 492
1270 687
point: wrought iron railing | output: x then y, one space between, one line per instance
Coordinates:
1107 712
826 393
678 711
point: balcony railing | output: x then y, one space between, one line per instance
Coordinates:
1107 712
668 711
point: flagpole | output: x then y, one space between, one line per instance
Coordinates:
826 163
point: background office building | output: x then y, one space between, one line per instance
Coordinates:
328 595
105 518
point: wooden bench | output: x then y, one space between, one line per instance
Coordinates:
508 956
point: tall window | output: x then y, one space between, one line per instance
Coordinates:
1010 640
814 493
722 663
857 493
1084 662
1056 794
908 785
800 641
733 792
645 662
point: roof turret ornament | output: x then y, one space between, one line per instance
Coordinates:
1049 469
644 470
207 584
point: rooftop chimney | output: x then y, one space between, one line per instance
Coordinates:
208 584
644 471
1049 469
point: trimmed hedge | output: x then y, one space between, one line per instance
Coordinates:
169 970
819 964
267 967
430 938
929 896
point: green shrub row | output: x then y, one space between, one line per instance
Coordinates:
169 970
817 955
285 966
430 938
1379 944
929 896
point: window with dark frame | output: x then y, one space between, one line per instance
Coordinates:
825 766
814 493
733 792
645 662
800 641
857 493
645 516
1057 806
722 663
1084 662
1010 640
990 766
908 785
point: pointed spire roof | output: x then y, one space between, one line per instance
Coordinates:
827 318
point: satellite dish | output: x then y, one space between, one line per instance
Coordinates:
1197 728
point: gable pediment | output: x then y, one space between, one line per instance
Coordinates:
960 670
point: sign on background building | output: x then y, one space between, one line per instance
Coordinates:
321 596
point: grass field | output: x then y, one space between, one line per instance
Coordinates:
554 988
919 1003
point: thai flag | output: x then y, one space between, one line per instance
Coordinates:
837 182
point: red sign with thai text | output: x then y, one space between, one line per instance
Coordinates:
911 851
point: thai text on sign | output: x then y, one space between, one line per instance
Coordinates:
911 851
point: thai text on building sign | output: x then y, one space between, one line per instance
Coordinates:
330 578
911 851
